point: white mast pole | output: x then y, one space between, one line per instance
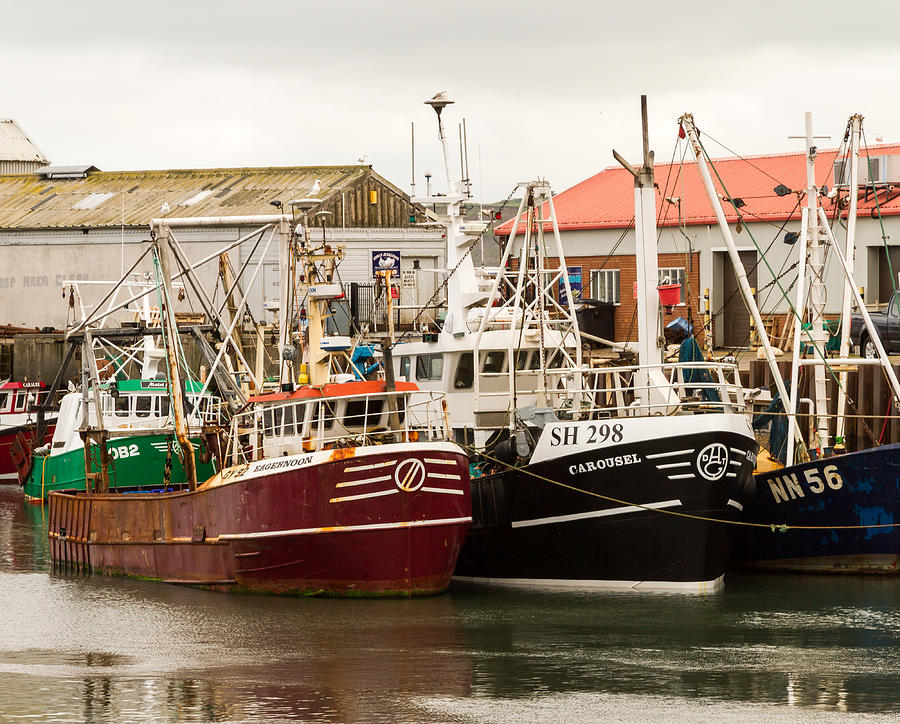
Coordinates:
849 285
687 121
799 307
816 287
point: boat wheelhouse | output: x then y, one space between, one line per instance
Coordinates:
18 418
141 441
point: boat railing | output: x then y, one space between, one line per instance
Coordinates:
294 426
638 390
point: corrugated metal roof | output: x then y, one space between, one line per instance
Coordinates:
30 201
15 145
606 201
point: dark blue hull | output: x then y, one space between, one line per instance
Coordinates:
857 489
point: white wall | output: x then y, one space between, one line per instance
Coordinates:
34 264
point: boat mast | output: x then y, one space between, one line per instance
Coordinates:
849 255
167 319
462 286
816 289
687 122
649 347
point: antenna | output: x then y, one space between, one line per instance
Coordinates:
465 144
462 165
412 140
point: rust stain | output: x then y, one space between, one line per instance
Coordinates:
343 453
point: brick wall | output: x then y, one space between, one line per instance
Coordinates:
626 313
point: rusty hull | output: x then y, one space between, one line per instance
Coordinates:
331 528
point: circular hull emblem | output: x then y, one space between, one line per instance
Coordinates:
410 475
712 461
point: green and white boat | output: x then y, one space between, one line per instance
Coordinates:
141 441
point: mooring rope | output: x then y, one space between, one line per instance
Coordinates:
773 527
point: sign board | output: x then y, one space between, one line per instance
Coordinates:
408 278
386 261
574 283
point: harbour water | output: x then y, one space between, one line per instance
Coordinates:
780 648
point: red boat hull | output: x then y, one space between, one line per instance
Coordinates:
331 523
8 471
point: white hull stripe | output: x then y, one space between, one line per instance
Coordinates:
365 496
734 504
346 528
444 476
730 475
737 462
737 452
8 476
673 465
363 481
440 461
669 454
448 491
685 476
588 584
594 514
373 466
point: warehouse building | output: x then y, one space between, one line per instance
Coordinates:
762 198
77 223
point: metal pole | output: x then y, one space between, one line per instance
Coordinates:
168 319
799 306
816 286
687 122
849 254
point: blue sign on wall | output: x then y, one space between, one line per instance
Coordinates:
386 261
574 283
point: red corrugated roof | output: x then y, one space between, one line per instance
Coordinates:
606 201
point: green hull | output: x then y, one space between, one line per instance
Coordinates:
136 463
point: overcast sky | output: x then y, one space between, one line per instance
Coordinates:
547 88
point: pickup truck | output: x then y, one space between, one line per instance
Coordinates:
886 321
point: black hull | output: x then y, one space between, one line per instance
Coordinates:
859 489
529 531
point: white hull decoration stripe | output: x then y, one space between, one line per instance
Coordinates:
363 481
588 584
672 465
734 504
669 454
444 476
594 514
440 461
685 476
738 452
373 466
730 475
448 491
365 496
345 528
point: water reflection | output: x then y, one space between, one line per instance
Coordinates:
91 648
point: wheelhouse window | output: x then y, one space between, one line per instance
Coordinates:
5 401
429 367
20 402
494 361
365 412
521 359
143 405
122 406
404 367
465 372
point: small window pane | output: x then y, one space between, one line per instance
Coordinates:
493 361
143 406
404 367
465 370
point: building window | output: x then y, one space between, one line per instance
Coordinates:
605 285
673 275
6 360
429 367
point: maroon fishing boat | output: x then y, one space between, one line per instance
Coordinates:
344 487
322 496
